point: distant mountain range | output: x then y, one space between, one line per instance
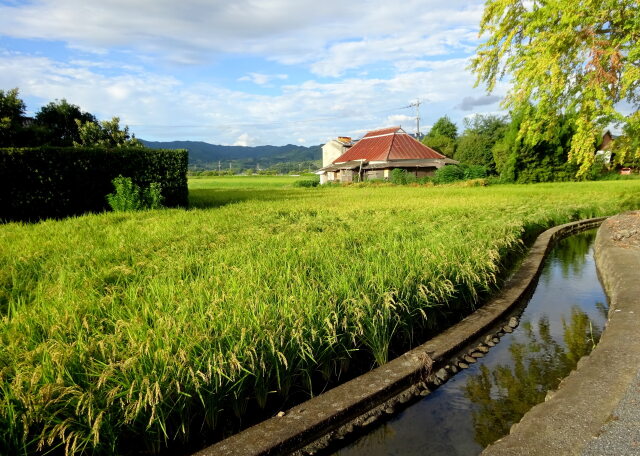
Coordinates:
203 155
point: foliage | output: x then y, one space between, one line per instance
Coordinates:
59 121
126 332
547 160
452 173
489 125
626 148
481 133
106 133
442 136
443 144
130 197
307 182
400 176
444 127
576 56
12 110
61 181
475 149
504 395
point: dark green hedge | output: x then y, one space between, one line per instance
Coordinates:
45 182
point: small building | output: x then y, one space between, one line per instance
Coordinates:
378 153
334 148
604 150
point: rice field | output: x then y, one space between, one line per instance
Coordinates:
133 333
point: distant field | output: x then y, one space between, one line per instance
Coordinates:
123 333
244 182
213 191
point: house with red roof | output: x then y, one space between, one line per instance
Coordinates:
378 153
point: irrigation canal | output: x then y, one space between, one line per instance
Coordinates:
561 323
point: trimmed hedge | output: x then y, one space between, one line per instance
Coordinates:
46 182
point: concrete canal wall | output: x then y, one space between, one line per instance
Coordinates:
596 409
361 401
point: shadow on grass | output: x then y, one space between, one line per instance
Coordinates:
212 198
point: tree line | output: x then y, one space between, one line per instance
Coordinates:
496 143
58 123
573 70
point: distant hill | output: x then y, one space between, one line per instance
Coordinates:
206 156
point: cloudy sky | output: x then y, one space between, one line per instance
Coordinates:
247 72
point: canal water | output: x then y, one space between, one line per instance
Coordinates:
561 323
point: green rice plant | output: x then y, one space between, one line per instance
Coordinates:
148 335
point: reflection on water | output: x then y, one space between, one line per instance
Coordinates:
503 394
562 322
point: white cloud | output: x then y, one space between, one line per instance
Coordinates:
163 108
400 119
263 79
350 55
390 57
245 140
331 36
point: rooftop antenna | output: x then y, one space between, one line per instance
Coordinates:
417 104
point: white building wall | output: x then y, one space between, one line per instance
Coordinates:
332 150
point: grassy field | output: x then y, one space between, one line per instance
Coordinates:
210 191
125 333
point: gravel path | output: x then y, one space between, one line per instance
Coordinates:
621 435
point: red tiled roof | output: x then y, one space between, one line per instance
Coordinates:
382 131
388 144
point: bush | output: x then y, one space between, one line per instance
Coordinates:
474 172
307 183
454 173
153 196
130 197
448 174
481 182
45 182
401 177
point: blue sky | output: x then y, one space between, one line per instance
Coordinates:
247 72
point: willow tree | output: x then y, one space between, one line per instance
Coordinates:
561 55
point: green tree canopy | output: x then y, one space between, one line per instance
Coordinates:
442 144
547 160
12 110
105 133
565 55
475 149
58 121
481 133
444 127
442 136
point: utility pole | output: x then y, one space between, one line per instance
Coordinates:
417 106
219 166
